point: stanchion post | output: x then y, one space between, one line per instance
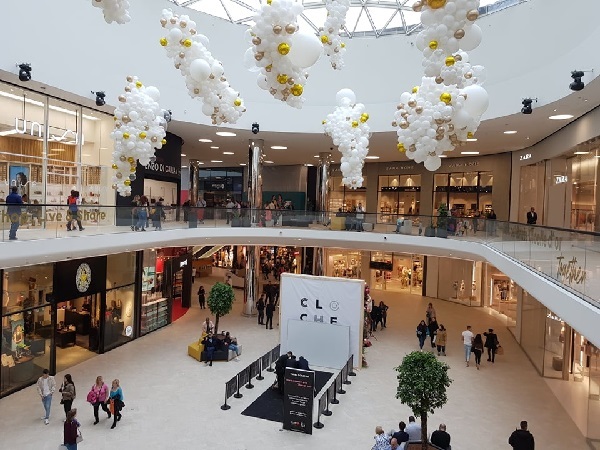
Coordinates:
249 385
327 412
340 389
352 373
259 377
225 406
345 375
318 425
237 394
335 401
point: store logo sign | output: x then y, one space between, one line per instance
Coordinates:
23 126
306 303
525 157
559 179
183 263
570 272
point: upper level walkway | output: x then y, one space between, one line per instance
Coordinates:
561 268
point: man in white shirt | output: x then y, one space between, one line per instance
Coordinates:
46 387
230 205
413 429
467 337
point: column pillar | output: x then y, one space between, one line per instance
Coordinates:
194 181
323 187
251 290
319 262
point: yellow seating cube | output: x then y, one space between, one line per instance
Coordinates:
195 349
338 223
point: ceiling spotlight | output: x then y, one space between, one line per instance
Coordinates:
24 71
255 128
527 109
577 84
100 95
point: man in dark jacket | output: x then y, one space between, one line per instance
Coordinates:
270 309
260 307
440 437
302 363
280 366
522 439
13 209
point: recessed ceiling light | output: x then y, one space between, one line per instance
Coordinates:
472 140
228 153
214 146
371 157
225 133
469 153
279 147
200 163
242 164
183 154
510 132
561 117
204 140
316 156
215 161
312 165
581 153
183 167
269 162
443 156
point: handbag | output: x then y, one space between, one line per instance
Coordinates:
92 397
62 447
499 350
79 437
112 405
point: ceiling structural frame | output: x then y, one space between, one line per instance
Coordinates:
366 18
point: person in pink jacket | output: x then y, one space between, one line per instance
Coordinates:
97 397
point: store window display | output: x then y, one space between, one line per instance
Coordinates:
344 199
468 194
583 179
397 272
398 195
502 294
344 264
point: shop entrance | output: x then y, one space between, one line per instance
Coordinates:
397 272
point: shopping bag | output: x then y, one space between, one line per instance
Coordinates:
499 350
112 406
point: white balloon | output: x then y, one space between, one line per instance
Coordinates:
305 49
199 70
472 38
477 100
433 163
153 93
345 94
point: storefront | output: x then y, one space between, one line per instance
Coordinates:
49 147
217 185
500 294
397 272
344 263
341 197
456 280
466 194
398 195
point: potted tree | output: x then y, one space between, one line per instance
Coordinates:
442 221
220 301
422 384
430 229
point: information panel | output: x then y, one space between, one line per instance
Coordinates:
298 397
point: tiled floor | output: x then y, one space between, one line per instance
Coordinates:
172 401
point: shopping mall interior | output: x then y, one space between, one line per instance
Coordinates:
243 195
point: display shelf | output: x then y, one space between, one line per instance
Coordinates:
154 315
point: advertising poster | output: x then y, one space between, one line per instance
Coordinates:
19 176
148 275
298 396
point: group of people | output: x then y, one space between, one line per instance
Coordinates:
287 360
473 343
110 400
409 433
265 306
376 313
213 343
143 211
437 333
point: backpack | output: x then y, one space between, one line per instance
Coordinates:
92 396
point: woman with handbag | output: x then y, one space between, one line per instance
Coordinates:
422 331
116 401
68 393
98 396
72 435
478 349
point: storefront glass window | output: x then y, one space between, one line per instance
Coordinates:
119 317
120 269
583 179
501 294
344 264
398 195
346 199
397 272
465 193
533 324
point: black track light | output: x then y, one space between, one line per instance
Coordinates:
24 71
577 84
527 109
255 128
100 95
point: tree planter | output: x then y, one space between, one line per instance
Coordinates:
429 231
441 232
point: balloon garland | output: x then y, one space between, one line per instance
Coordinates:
347 126
446 109
139 128
330 33
280 51
114 10
204 75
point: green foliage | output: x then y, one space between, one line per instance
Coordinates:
442 221
422 384
220 301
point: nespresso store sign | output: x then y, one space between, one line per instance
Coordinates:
78 278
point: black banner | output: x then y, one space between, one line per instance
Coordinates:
243 377
78 278
298 400
254 368
382 265
231 387
265 360
275 354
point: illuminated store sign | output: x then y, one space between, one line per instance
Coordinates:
36 128
525 157
558 179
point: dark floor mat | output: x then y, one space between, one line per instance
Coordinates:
269 405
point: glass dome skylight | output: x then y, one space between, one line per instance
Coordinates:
365 17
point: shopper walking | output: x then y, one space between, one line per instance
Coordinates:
116 401
142 213
134 214
202 297
384 309
441 339
98 397
158 213
491 343
71 430
13 209
522 439
478 349
467 338
430 313
46 385
68 393
433 328
421 333
260 307
269 310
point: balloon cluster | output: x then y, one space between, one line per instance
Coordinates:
114 10
139 128
330 33
347 126
280 52
446 109
204 75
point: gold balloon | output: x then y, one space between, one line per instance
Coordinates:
323 122
415 89
269 2
433 45
127 89
114 166
417 7
118 125
450 61
173 20
129 78
122 98
324 39
125 135
343 45
450 127
394 124
258 56
419 109
237 102
468 75
181 55
164 42
401 148
282 78
154 139
163 22
138 84
412 103
364 117
469 135
440 130
256 40
114 186
297 90
187 43
283 48
472 15
183 24
277 29
127 183
122 158
354 123
119 175
404 124
130 160
142 135
290 28
163 142
439 80
436 4
132 169
446 98
192 31
269 67
177 65
291 81
439 121
459 34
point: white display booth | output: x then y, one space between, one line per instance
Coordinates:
322 319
